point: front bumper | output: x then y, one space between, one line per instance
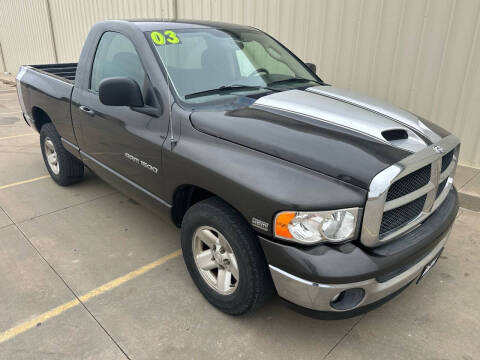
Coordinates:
311 277
315 296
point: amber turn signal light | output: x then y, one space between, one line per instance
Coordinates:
281 224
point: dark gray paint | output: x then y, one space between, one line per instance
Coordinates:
256 183
348 263
261 162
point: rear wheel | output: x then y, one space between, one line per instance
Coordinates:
224 258
64 168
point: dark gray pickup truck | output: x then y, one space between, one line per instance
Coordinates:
277 180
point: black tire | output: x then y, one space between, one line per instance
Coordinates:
70 168
255 286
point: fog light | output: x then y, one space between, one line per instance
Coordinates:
335 298
347 299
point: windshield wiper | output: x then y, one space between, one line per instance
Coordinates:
293 79
223 88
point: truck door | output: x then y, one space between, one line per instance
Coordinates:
116 138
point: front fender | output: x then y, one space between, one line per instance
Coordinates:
256 184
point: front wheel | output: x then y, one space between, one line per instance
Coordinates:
224 258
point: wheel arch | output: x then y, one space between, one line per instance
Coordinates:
184 197
40 118
187 195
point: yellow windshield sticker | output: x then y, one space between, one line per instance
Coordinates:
157 38
164 38
172 37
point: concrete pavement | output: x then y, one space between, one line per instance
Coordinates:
59 244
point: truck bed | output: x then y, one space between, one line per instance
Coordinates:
66 70
48 88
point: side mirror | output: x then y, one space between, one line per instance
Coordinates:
312 67
120 91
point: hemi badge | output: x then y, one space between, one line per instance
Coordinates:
262 225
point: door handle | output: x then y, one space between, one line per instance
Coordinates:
87 110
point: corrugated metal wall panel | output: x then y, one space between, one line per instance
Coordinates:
421 55
466 122
71 28
25 33
2 64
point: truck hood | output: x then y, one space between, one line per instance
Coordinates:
335 132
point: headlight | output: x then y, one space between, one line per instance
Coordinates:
313 227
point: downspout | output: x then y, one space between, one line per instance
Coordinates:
174 9
52 34
4 65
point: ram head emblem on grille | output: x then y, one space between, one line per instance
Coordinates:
438 149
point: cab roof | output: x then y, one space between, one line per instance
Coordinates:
164 24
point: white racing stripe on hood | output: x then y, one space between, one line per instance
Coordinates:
345 114
402 116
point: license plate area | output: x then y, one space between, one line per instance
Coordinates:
429 266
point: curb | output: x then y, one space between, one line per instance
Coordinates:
468 201
8 82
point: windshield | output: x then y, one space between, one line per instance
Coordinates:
205 64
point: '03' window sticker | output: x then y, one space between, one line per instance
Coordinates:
165 37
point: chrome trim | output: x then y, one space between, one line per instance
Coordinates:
376 203
443 194
448 170
317 296
392 204
434 179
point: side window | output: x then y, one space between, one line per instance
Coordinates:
116 56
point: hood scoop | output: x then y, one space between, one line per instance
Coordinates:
399 138
395 134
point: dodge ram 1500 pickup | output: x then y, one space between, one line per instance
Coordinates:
278 181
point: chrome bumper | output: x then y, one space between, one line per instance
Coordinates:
317 296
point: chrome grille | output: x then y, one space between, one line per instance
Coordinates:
410 183
446 160
441 186
406 193
401 215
